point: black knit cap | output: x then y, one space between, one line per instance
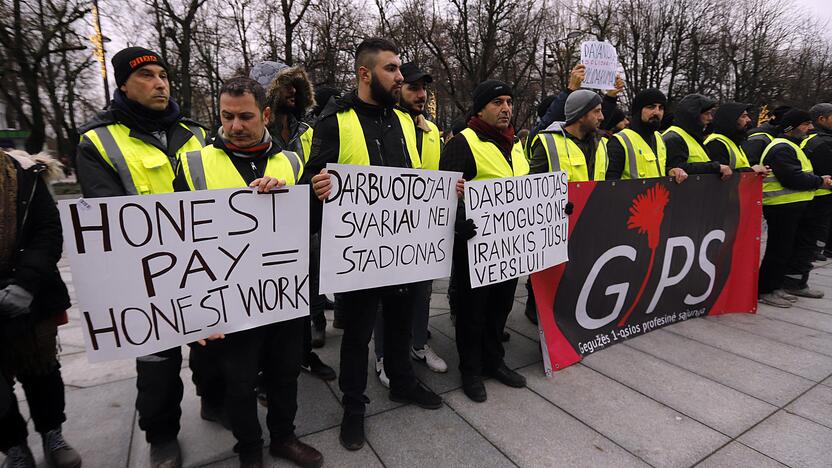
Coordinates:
488 90
128 60
793 118
645 98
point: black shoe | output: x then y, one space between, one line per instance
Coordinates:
819 257
19 456
474 388
420 396
166 455
317 368
508 377
352 431
328 305
318 336
531 311
505 337
338 323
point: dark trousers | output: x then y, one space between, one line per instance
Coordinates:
812 227
45 397
159 394
783 224
277 349
421 319
206 374
359 309
481 316
317 301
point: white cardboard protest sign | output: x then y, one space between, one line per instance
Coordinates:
601 61
154 272
521 223
384 226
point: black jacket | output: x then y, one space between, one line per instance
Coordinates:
754 147
686 116
786 167
39 244
99 179
557 113
617 157
382 132
725 123
819 151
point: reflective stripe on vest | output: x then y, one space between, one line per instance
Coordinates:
565 155
352 147
491 164
737 157
642 161
222 173
142 167
198 133
773 191
696 153
305 146
117 159
760 136
819 192
431 147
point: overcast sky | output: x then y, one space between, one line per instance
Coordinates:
821 8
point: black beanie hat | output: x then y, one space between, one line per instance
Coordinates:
792 119
611 121
128 60
778 114
644 98
486 91
543 106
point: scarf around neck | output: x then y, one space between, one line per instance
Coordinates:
504 139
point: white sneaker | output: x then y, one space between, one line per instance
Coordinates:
429 357
785 295
775 300
382 377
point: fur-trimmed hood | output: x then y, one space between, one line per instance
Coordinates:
297 77
54 168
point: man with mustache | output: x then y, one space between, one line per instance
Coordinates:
290 95
685 138
243 155
412 100
132 148
365 128
573 146
787 194
724 144
638 152
486 149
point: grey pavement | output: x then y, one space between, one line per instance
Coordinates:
734 390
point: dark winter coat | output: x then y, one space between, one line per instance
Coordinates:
99 179
754 147
382 132
686 116
304 100
786 167
725 123
39 239
819 151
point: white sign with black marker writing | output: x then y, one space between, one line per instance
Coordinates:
384 226
522 226
601 61
159 271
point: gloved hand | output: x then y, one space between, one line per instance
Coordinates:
14 301
466 229
568 209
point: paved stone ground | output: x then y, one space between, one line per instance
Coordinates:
735 390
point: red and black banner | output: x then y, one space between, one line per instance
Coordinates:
644 254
